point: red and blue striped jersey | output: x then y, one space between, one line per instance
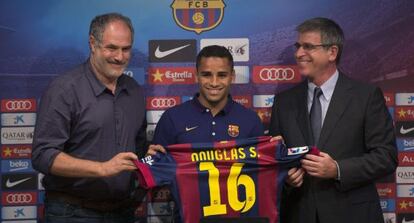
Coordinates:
241 178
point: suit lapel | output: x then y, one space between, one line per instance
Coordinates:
302 117
339 102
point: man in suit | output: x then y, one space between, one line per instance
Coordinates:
347 120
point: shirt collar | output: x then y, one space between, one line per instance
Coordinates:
97 86
227 108
327 88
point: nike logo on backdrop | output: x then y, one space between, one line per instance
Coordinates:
405 131
160 54
187 129
12 184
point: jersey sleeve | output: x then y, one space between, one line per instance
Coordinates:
155 170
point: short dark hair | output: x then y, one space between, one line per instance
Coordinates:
331 32
98 25
215 51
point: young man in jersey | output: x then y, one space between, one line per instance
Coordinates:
212 114
347 120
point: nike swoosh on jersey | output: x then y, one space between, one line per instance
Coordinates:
160 54
12 184
405 131
187 129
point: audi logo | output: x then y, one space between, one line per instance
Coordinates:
163 102
277 74
18 105
19 198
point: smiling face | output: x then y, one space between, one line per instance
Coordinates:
317 61
110 57
214 76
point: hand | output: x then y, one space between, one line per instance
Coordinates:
322 166
153 149
274 138
295 177
119 163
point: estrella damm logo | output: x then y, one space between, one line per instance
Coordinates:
198 16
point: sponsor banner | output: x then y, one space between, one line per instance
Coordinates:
17 135
405 218
19 198
238 47
389 218
16 166
245 100
263 101
19 181
386 190
404 99
405 159
162 103
405 205
276 74
405 190
264 114
18 212
405 129
242 75
387 205
39 181
405 175
16 151
171 75
389 98
405 144
138 73
150 131
18 119
160 208
154 116
18 105
158 219
179 50
21 221
41 197
404 113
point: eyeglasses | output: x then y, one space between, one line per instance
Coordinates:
309 46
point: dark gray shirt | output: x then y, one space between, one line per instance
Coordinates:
79 116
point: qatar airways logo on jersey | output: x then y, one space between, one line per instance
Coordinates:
18 105
276 74
406 159
16 151
386 190
404 113
156 103
244 100
19 198
389 99
171 75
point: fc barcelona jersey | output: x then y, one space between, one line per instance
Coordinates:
241 178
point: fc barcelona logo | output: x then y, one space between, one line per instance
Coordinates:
233 130
198 16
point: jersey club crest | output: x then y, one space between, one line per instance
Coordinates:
198 16
233 130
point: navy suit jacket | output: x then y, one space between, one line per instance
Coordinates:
358 133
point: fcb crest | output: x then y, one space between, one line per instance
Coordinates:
198 16
233 130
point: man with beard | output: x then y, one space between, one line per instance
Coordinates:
91 124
